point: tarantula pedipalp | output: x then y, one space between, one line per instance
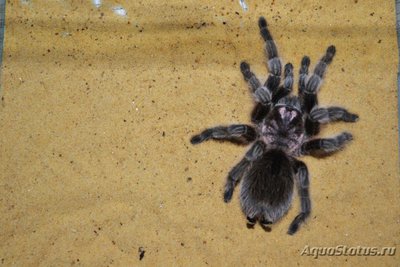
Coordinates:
283 129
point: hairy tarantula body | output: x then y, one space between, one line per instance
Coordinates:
283 129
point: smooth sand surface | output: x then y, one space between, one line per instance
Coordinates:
98 109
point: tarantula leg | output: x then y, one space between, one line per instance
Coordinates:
325 115
311 127
263 94
259 112
234 177
260 93
274 63
314 82
287 86
304 194
325 146
249 77
309 94
238 171
303 74
237 133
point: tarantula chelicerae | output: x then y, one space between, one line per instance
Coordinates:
283 129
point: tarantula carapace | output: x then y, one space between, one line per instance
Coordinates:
283 128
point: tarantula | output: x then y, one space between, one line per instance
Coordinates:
283 128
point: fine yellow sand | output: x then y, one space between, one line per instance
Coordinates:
98 109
